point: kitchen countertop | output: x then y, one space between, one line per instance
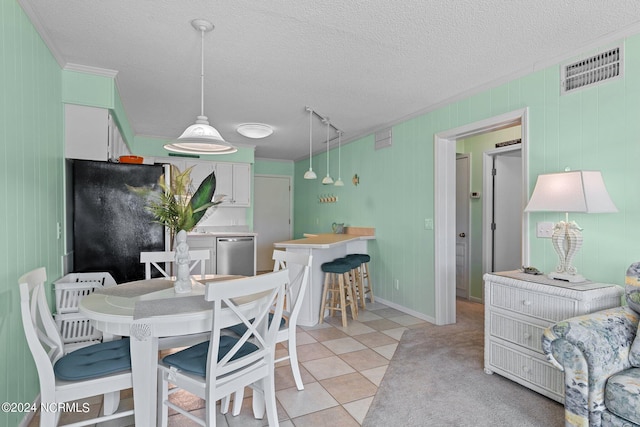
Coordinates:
322 241
221 234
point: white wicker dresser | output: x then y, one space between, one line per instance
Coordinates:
518 308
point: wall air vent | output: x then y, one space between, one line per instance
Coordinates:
604 66
384 138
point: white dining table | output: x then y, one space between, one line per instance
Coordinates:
145 311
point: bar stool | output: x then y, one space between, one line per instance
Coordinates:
363 271
356 278
337 293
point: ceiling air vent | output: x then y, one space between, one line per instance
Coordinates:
384 138
604 66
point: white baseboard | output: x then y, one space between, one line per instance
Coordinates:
406 310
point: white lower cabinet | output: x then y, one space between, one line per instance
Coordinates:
518 308
205 242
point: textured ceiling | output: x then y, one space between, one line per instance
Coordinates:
364 64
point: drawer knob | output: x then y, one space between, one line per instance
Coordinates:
526 369
527 335
526 302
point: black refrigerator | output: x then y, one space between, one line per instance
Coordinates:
110 223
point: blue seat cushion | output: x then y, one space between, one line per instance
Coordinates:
241 328
94 361
194 359
335 267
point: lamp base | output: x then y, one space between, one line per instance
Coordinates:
571 278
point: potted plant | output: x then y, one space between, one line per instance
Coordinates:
180 209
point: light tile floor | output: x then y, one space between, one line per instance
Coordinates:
341 369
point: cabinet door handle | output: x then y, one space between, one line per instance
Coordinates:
526 302
526 335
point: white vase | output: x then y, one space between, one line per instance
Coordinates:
182 285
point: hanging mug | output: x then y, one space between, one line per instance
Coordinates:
338 228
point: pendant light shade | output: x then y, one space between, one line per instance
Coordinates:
310 174
339 182
327 180
200 137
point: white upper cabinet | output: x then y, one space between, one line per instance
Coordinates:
234 180
91 134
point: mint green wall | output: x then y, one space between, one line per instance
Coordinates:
31 150
273 167
595 128
475 146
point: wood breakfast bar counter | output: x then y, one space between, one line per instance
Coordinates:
323 248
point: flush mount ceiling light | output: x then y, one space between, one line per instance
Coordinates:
310 174
254 130
200 137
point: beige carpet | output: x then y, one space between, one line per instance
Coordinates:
436 378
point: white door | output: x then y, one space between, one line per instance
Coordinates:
462 225
507 211
271 216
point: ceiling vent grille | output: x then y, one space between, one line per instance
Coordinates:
604 66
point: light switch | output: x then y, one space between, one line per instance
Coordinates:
428 223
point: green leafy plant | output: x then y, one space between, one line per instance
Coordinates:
177 206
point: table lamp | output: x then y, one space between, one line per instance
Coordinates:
571 191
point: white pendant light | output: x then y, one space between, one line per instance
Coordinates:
310 174
327 180
339 182
200 137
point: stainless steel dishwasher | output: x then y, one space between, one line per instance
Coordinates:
235 255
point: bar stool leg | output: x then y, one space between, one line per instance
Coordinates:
343 305
365 275
351 289
359 275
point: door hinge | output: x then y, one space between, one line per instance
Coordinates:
493 226
494 171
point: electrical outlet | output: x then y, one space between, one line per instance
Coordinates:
428 223
544 230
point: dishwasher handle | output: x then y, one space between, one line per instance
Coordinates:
235 239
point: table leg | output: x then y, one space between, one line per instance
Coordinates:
144 362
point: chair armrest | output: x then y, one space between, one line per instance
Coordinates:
589 349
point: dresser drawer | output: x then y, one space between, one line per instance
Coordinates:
521 332
551 308
528 369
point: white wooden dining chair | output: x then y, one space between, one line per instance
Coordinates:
158 260
299 266
216 368
197 257
103 368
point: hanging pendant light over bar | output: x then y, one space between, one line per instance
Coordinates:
327 180
339 182
201 138
310 174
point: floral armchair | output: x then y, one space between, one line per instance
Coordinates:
600 356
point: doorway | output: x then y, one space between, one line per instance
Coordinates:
272 213
502 209
445 205
463 183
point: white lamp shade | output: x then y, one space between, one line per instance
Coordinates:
574 191
201 138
